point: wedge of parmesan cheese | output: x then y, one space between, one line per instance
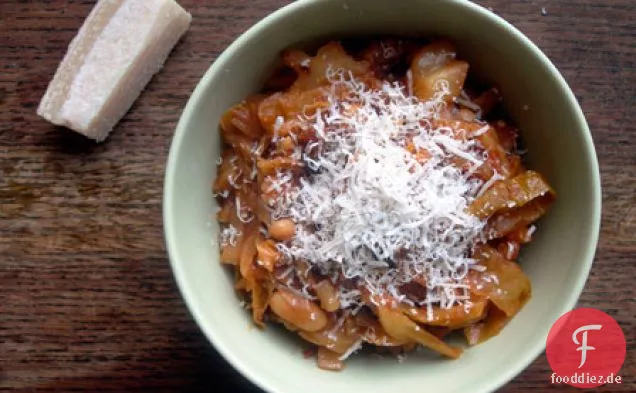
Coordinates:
116 52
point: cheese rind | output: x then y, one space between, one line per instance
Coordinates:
116 52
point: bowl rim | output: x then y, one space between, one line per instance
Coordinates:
217 66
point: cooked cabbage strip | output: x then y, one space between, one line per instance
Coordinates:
267 254
455 317
491 326
298 311
401 327
434 70
337 341
511 193
329 360
503 282
506 222
261 295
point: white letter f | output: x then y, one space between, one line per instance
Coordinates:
584 347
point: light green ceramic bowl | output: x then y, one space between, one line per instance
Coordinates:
559 146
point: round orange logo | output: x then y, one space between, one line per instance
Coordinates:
586 348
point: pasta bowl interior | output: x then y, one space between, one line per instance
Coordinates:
343 258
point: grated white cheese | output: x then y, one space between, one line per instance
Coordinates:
278 123
355 347
374 212
230 235
481 131
495 178
464 100
223 194
510 250
232 180
243 213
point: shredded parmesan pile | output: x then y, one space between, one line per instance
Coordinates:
371 211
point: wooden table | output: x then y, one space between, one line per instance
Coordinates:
87 298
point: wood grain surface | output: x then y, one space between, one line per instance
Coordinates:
87 298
